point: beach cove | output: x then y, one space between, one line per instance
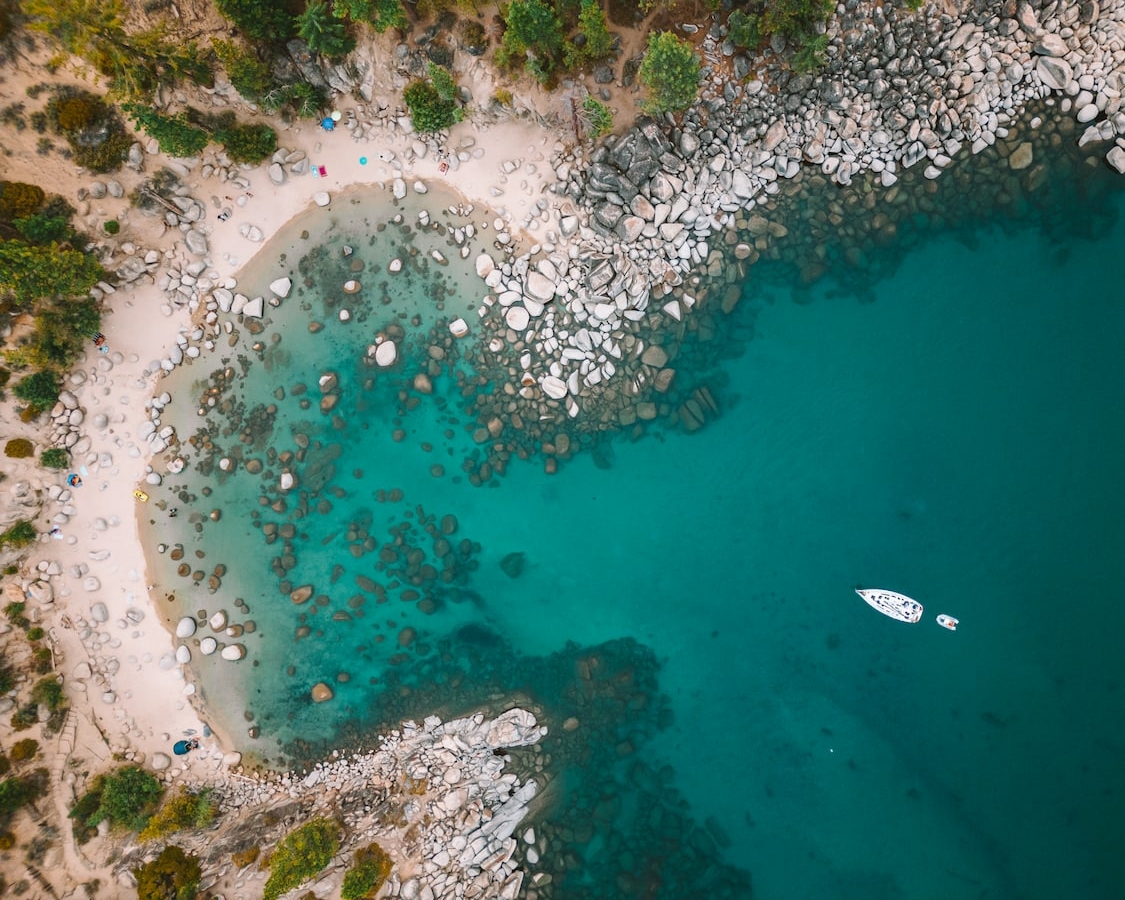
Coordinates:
678 549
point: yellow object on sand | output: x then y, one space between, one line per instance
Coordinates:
140 495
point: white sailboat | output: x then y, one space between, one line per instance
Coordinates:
889 603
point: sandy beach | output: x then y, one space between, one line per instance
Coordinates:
115 652
130 698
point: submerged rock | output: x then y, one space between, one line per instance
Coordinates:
512 564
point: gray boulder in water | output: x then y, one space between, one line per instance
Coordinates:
512 564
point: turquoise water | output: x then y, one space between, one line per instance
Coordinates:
686 601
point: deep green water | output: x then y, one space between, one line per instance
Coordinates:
957 435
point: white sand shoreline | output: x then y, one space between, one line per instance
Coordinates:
136 695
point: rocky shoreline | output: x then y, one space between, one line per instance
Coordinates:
583 329
593 321
435 795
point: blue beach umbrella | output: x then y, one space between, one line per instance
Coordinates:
328 123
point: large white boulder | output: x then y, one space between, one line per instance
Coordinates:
185 628
1053 72
553 387
517 318
386 353
540 286
485 265
281 287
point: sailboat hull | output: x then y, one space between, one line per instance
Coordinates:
893 605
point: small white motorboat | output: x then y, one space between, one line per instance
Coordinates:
897 606
947 622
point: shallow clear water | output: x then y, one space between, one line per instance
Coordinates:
956 436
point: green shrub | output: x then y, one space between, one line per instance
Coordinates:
75 111
249 144
128 798
5 765
18 535
21 790
249 75
94 131
433 103
62 329
303 98
533 35
175 135
598 117
19 448
368 871
40 389
48 692
24 750
260 20
54 458
86 808
810 55
244 858
379 14
300 856
797 20
30 273
670 72
25 716
323 32
599 42
42 228
19 199
744 30
35 633
7 842
108 156
173 875
41 661
7 679
473 36
184 809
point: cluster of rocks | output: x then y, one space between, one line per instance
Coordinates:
66 423
21 500
218 622
642 215
434 795
99 190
